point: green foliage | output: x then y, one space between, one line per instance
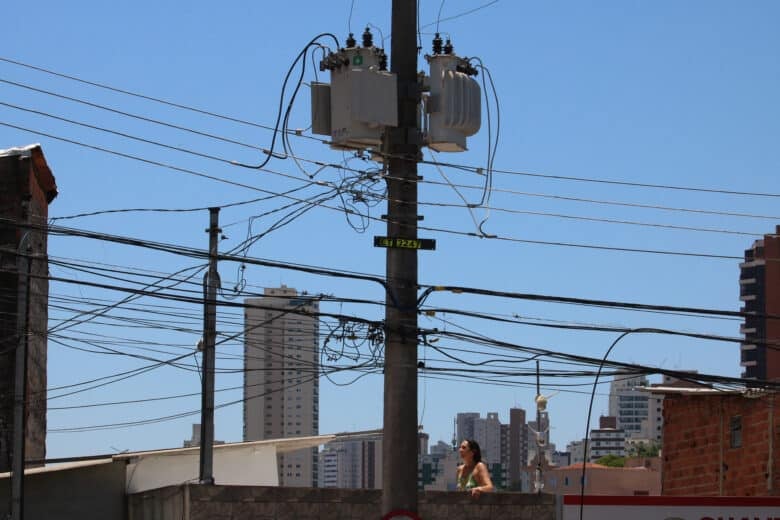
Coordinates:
613 461
643 449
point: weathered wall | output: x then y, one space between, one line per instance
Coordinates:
193 502
95 492
24 177
698 459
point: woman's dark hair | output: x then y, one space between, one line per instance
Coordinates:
476 450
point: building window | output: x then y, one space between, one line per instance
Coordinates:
735 428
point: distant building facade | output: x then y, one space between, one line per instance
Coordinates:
602 480
759 290
355 463
630 405
486 431
195 439
561 458
607 440
437 470
576 451
27 187
517 447
538 440
281 383
505 447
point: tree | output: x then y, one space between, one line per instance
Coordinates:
613 461
643 449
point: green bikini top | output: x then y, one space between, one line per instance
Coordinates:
467 482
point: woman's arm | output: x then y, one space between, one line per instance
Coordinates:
482 477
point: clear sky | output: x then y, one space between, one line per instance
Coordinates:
665 93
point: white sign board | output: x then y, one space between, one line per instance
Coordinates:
671 508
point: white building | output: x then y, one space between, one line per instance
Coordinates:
281 384
577 451
607 441
630 405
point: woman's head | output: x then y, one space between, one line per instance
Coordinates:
469 448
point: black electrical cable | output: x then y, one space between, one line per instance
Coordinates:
429 289
146 97
301 55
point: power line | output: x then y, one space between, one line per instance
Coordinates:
428 228
148 98
477 169
608 202
474 169
436 163
595 219
429 289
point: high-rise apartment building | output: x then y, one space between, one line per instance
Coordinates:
464 426
607 439
352 464
281 383
518 446
630 405
487 432
505 447
759 290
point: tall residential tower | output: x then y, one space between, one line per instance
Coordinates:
281 383
759 290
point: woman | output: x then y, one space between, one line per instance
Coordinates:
473 474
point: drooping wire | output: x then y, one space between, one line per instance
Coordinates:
349 18
470 207
462 14
491 151
301 57
438 17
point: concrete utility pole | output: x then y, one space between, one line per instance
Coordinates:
402 143
210 283
23 267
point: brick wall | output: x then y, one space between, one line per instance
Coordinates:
276 503
24 177
698 456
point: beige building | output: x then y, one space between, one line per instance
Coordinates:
602 480
281 381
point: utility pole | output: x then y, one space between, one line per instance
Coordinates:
23 265
538 481
210 285
402 144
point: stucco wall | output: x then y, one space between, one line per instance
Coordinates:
95 492
194 502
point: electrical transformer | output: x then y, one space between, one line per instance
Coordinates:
362 98
360 101
453 107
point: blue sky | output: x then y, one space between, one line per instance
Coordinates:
663 93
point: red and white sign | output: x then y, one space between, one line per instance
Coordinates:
407 515
598 507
